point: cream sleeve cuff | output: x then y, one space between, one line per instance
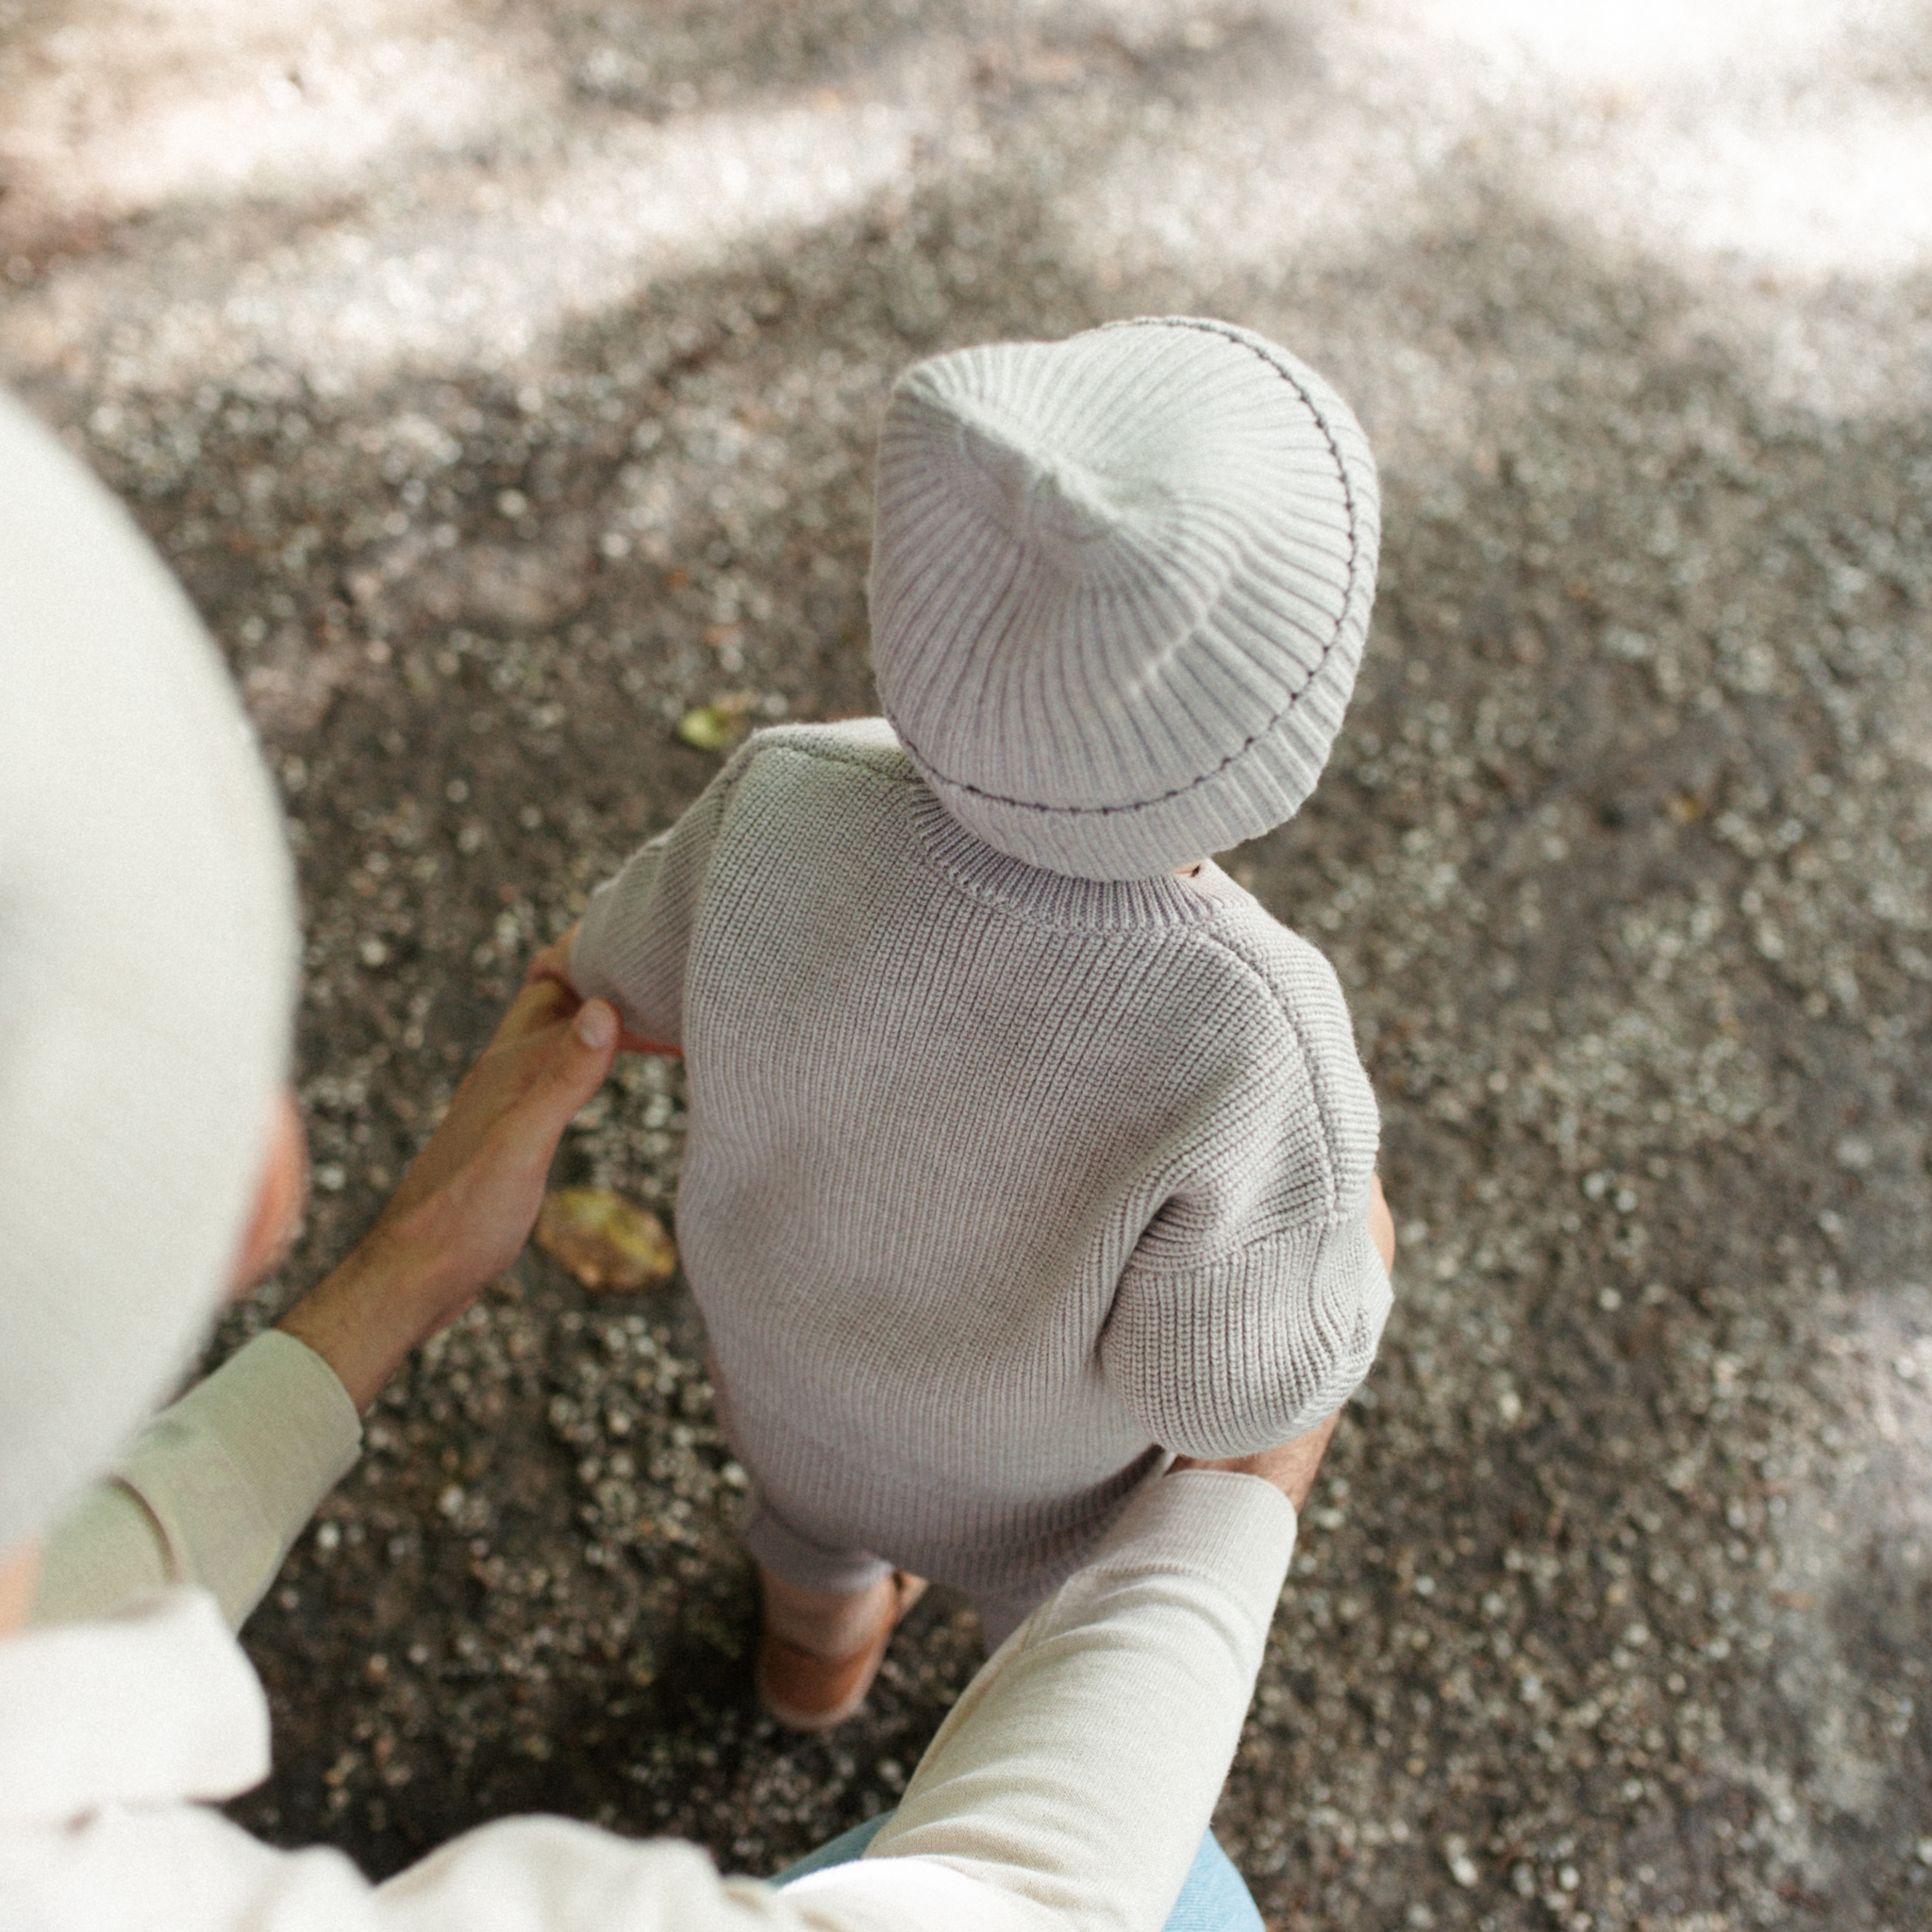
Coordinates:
214 1492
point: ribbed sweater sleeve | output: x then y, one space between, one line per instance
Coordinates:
636 933
1253 1301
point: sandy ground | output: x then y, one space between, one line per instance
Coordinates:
500 378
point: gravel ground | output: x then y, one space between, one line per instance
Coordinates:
501 378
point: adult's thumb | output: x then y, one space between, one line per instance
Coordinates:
596 1025
579 1061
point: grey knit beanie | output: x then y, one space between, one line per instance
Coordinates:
148 971
1119 585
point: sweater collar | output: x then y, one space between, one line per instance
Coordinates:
151 1706
1051 898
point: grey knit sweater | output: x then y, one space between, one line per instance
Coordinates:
999 1184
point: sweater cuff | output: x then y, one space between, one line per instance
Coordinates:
233 1471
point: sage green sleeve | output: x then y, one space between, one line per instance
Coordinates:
215 1491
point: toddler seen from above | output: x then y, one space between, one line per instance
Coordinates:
1026 1151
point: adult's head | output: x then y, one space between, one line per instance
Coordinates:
148 971
1120 587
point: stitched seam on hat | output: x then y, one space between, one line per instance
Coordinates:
1248 744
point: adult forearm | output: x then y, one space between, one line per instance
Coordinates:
364 1319
1078 1772
219 1485
468 1202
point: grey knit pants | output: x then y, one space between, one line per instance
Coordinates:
794 1558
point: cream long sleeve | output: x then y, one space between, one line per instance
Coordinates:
215 1490
1067 1791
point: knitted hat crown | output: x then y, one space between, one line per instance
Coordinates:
1120 587
147 968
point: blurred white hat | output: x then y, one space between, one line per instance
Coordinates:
148 973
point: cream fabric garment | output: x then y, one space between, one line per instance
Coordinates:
148 960
1068 1789
214 1492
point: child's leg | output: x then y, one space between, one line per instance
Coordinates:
824 1624
828 1616
820 1653
800 1560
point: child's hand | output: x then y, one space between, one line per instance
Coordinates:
1381 1223
553 962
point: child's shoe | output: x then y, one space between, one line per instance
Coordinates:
807 1693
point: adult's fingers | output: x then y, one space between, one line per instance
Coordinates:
637 1043
576 1061
1290 1466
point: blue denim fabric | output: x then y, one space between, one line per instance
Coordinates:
1214 1899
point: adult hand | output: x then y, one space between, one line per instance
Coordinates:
468 1202
1290 1466
553 963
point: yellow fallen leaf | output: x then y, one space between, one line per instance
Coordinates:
604 1240
703 729
719 726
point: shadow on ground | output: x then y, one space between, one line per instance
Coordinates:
1612 1608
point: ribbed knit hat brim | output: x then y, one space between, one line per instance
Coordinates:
1120 588
148 971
